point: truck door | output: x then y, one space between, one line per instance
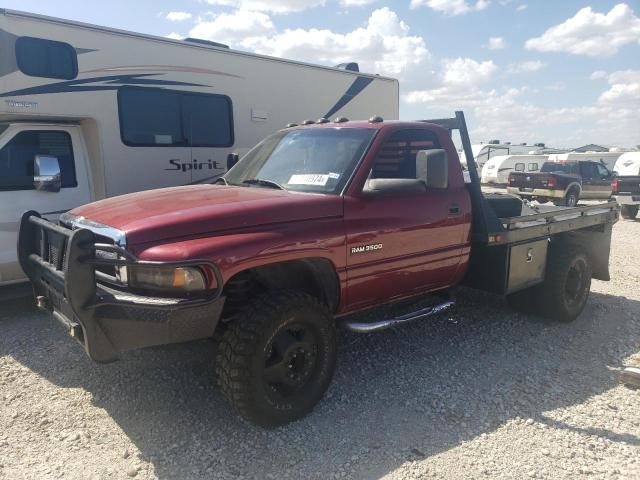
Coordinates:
592 183
19 146
604 179
406 239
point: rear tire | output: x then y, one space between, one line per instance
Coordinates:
277 358
564 293
629 211
570 199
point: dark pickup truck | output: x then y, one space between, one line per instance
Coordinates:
564 183
315 228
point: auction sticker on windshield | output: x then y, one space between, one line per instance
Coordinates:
309 179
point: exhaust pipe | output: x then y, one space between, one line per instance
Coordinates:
366 327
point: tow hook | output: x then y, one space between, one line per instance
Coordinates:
43 303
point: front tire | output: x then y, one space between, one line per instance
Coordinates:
629 211
564 293
276 360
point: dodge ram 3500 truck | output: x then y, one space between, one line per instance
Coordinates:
313 229
563 182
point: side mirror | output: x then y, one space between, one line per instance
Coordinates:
46 173
432 166
232 159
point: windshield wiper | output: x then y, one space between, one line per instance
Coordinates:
262 181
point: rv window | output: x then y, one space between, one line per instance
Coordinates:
151 117
17 157
206 120
533 167
519 167
38 57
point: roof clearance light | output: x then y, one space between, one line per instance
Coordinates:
322 120
376 119
341 120
290 125
308 122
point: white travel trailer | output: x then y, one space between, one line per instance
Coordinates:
88 112
482 152
608 158
498 168
628 164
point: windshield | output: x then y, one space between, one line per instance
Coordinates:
550 167
309 160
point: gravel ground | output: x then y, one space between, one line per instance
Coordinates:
482 392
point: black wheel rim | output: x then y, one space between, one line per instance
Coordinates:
574 288
291 360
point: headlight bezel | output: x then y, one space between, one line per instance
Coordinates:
161 279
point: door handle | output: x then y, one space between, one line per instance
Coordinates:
454 209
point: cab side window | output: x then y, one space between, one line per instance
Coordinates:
603 171
17 158
397 157
588 170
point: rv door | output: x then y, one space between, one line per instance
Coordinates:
43 168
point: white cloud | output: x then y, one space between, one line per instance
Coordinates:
467 72
624 90
452 7
233 27
522 7
509 113
175 36
273 6
528 66
178 16
591 33
496 43
356 3
598 74
383 46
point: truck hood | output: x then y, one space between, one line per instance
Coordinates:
156 215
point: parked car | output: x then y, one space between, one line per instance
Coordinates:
315 228
117 112
626 185
564 183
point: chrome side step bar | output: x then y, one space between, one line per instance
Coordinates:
366 327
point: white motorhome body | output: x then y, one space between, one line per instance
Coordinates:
123 112
498 168
608 158
628 164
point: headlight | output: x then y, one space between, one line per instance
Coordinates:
166 279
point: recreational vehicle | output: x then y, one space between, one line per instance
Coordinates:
482 152
607 158
88 112
498 168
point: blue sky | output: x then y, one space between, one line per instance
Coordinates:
562 72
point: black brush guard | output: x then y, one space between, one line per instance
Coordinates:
63 266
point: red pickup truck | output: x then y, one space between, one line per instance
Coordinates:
313 229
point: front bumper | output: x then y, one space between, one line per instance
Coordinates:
536 192
627 199
63 267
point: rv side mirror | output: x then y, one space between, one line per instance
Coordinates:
432 166
46 173
232 159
